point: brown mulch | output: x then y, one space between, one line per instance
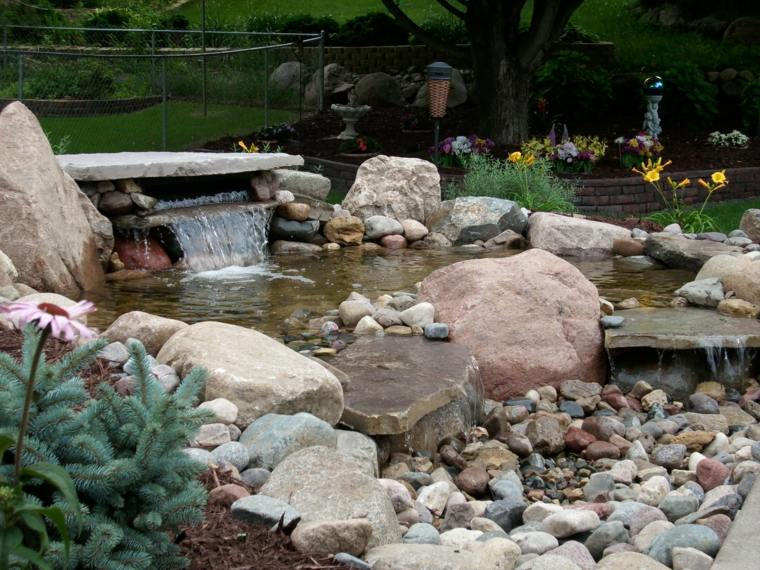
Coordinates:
97 373
688 150
221 541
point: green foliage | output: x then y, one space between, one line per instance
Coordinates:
574 33
308 24
575 89
690 220
448 30
750 107
689 100
124 454
375 29
533 187
87 79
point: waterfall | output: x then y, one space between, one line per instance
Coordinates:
221 236
220 198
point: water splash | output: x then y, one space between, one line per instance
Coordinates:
237 274
729 362
234 197
222 238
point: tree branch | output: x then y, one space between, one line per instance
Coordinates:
406 22
453 9
547 22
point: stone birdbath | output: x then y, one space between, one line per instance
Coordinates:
350 114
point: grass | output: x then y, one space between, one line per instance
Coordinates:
141 130
728 214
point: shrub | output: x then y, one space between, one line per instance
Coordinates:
448 30
88 79
124 454
574 89
574 33
308 24
689 99
529 183
376 29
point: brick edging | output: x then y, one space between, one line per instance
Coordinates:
595 195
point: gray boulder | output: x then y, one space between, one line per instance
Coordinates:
287 76
467 219
378 90
704 292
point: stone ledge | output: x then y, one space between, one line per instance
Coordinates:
117 166
740 550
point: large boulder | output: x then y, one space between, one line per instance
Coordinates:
464 220
288 76
153 331
530 320
750 224
743 30
302 183
738 273
43 228
256 373
396 187
378 90
574 237
8 273
457 92
323 484
338 82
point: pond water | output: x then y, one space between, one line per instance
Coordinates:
264 295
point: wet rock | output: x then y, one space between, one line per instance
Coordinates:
348 230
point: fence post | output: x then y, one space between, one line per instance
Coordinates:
266 86
5 45
20 76
203 51
152 61
164 110
321 70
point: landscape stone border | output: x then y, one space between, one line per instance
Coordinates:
739 550
596 196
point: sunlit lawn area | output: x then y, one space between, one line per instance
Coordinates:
142 130
728 214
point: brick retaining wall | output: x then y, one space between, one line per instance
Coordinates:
604 196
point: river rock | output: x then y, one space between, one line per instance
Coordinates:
271 438
255 372
232 452
704 293
292 230
399 188
569 522
605 535
393 242
346 230
470 218
422 533
496 553
301 183
324 485
546 435
354 309
629 561
738 308
284 247
544 297
569 236
695 536
414 230
259 509
44 229
145 254
152 330
376 227
322 538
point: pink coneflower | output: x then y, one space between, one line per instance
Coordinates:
63 323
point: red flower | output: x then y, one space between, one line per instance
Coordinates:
362 144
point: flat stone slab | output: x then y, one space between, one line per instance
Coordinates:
119 165
682 329
740 550
397 381
678 251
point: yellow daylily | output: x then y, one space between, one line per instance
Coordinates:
719 177
651 176
530 159
515 156
252 148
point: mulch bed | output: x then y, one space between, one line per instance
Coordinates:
221 541
97 373
688 150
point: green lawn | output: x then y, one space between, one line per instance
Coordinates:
341 10
142 130
728 214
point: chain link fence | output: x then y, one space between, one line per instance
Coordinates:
109 90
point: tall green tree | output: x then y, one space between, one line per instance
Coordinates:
504 54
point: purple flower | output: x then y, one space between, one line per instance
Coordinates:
63 323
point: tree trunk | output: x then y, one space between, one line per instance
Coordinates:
502 85
503 92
